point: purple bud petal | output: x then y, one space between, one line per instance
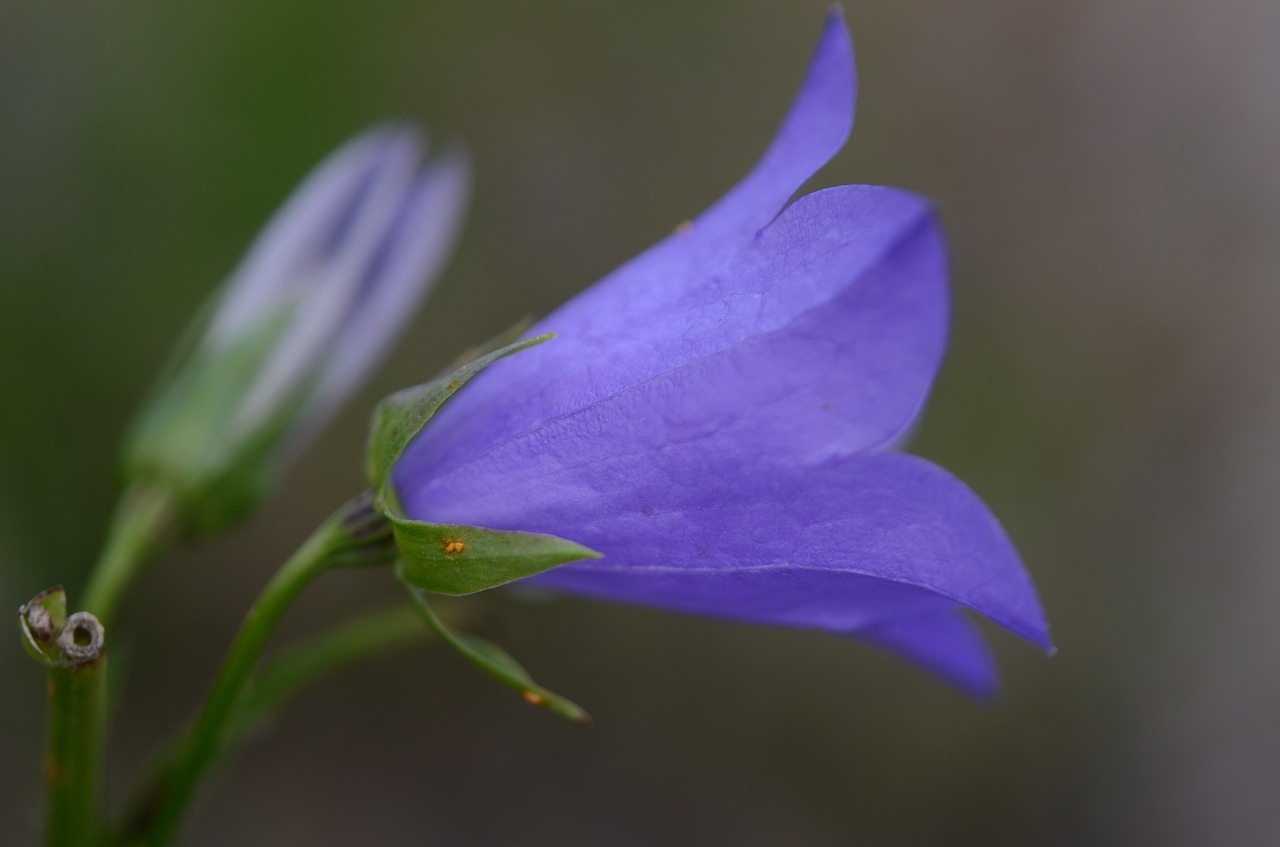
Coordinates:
273 269
408 259
327 282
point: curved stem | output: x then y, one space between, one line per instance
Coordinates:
273 686
137 528
319 657
207 736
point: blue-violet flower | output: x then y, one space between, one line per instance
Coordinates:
720 418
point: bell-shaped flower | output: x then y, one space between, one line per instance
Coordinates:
320 296
719 418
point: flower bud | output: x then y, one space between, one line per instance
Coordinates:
319 298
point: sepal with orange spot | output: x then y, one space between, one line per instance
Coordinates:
496 662
450 558
454 559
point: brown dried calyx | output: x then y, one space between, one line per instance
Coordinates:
55 638
83 639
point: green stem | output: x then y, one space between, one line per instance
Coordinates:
137 529
321 656
208 735
275 685
73 763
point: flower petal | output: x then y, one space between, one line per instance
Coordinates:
845 545
815 129
619 332
821 339
947 644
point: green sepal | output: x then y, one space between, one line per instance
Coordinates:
496 662
41 619
452 558
400 417
455 559
185 442
510 335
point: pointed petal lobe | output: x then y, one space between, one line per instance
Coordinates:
814 130
945 643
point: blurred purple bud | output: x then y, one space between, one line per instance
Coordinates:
317 301
350 256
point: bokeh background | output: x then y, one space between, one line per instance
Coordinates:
1108 174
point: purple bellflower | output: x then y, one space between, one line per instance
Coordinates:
322 293
720 417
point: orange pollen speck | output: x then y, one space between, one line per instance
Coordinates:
454 547
684 226
533 697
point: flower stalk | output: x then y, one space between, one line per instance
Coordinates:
280 681
138 528
321 657
333 544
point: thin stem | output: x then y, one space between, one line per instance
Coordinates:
137 529
207 736
299 667
77 716
316 658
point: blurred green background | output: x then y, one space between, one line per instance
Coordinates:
1107 171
